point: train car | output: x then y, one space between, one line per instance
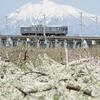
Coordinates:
40 30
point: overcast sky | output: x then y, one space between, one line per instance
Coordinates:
91 6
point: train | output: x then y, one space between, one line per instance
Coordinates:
40 30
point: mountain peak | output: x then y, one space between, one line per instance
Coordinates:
45 0
28 4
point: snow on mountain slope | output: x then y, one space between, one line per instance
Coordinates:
47 8
55 15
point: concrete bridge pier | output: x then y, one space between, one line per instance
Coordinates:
38 44
47 43
84 43
70 43
61 43
28 42
9 42
65 44
51 43
56 43
74 44
0 42
78 43
19 42
93 42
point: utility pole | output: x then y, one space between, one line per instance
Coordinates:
6 23
17 23
81 27
33 22
81 22
96 23
44 29
96 18
18 27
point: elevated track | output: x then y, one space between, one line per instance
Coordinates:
30 40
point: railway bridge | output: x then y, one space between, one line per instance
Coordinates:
49 41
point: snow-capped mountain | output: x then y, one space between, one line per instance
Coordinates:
53 15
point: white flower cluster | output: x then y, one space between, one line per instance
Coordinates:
50 80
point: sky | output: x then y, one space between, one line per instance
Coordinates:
91 6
